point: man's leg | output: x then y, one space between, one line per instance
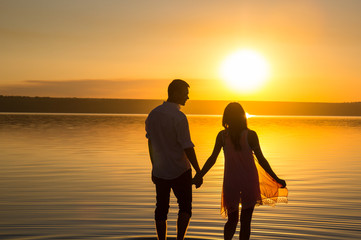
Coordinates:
182 189
182 225
161 227
163 193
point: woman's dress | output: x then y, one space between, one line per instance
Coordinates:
245 182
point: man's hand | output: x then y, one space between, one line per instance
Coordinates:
197 180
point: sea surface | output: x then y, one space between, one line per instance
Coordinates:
87 176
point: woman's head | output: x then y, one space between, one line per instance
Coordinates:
234 116
235 121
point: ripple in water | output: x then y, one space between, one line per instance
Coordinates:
88 177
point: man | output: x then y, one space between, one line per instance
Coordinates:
172 154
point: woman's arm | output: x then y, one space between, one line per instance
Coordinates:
212 159
254 144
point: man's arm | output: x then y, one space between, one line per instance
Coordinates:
193 160
191 155
150 150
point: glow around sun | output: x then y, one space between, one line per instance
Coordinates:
245 70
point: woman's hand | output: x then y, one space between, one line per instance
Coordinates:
282 182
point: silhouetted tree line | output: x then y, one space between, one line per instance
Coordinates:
95 105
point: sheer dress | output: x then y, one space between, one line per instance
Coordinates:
245 182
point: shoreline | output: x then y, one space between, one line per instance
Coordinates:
188 115
18 104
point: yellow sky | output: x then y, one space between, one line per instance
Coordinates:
134 48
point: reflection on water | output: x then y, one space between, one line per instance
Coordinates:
88 176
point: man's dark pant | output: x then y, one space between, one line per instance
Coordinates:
182 189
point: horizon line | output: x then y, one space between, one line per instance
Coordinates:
152 99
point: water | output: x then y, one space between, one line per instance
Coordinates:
88 177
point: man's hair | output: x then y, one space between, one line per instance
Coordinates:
176 85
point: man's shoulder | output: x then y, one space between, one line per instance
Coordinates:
157 110
180 117
170 111
181 114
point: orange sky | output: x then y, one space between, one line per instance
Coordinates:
133 49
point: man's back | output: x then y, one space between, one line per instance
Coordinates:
168 131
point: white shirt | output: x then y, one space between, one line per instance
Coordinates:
168 131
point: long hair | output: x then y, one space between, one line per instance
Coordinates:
235 121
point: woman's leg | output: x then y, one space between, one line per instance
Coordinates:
231 225
246 218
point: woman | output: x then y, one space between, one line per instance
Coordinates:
246 181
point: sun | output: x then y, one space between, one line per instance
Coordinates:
245 70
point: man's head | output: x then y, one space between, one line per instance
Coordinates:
178 92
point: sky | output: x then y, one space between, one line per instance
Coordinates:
134 48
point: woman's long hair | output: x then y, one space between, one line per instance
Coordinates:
235 121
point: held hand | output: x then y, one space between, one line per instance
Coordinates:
282 182
197 180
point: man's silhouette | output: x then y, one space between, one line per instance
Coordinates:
172 154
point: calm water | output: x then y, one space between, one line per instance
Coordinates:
88 177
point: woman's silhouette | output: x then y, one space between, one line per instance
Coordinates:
246 181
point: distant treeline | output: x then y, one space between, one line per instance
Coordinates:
140 106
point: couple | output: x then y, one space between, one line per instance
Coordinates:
171 151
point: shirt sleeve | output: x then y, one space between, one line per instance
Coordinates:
146 128
183 134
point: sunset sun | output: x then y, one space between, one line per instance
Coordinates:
245 70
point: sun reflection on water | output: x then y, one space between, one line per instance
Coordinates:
85 176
